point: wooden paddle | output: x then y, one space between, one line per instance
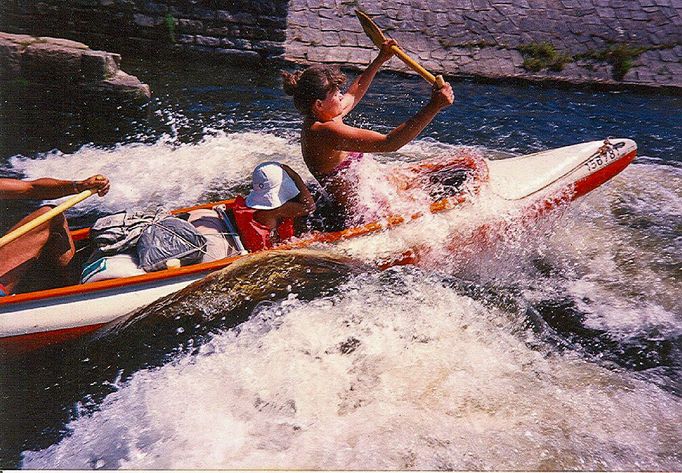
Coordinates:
28 226
378 38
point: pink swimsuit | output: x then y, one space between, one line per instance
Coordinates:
341 168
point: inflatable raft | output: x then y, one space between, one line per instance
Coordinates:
34 319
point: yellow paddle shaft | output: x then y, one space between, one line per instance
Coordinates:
28 226
415 66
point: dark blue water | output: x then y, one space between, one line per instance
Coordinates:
519 118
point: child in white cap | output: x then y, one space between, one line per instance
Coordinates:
266 216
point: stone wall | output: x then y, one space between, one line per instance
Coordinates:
65 72
608 41
237 30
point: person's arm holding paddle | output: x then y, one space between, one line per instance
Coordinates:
48 188
359 87
44 234
337 135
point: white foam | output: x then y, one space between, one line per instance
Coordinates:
399 374
437 381
163 173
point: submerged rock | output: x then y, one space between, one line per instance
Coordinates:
228 296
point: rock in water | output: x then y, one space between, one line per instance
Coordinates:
228 296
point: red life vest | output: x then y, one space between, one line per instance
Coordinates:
256 236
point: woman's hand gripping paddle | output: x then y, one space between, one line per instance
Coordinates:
378 38
28 226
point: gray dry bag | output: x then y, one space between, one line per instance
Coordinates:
167 239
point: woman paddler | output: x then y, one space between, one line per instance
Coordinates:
329 146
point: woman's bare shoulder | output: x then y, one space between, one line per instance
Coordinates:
328 125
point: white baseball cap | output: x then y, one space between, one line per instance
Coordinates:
272 187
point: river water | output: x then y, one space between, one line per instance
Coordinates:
557 349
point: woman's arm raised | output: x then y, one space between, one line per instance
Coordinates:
360 85
337 135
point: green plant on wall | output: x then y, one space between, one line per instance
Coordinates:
169 20
539 56
620 56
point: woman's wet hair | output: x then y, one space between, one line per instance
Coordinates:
312 84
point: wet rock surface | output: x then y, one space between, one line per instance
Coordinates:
61 71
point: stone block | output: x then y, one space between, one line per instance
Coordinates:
244 19
297 19
44 62
221 31
236 43
481 5
209 41
330 24
316 4
128 5
296 49
439 54
330 38
327 13
312 36
442 20
298 6
271 22
190 26
154 8
223 16
270 47
607 13
200 13
238 56
667 55
349 39
98 65
65 43
147 21
340 55
185 39
360 56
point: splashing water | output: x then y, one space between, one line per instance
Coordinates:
424 379
400 370
163 172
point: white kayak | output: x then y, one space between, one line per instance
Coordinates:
35 319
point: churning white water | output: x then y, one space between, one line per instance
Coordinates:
396 372
399 369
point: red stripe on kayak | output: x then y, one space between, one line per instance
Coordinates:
439 206
19 344
591 182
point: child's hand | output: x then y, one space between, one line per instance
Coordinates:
386 51
443 97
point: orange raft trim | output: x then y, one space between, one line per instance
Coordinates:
480 172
